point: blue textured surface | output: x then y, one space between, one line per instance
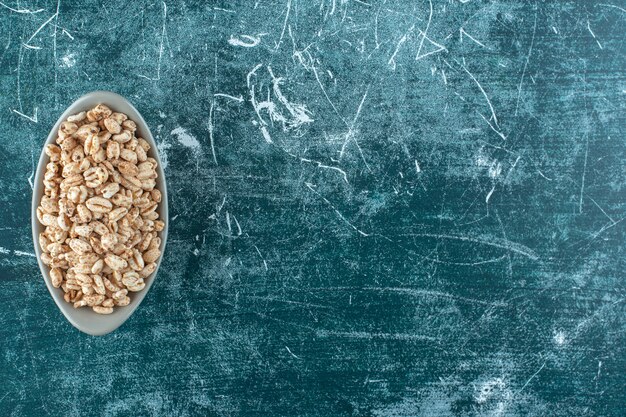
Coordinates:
377 208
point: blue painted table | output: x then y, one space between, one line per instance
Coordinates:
377 207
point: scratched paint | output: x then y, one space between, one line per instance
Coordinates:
376 207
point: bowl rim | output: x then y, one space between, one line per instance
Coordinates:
86 320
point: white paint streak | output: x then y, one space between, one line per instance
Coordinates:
417 292
22 253
186 139
375 335
261 256
6 251
532 377
162 148
327 97
425 37
560 338
495 169
297 114
593 34
291 353
484 240
392 60
463 32
300 115
32 118
238 99
211 126
68 61
482 90
612 6
40 28
530 51
245 41
341 216
490 194
22 11
492 127
321 165
282 33
582 182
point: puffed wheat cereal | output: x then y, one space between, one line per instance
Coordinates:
101 238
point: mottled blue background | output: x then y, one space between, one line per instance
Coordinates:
384 208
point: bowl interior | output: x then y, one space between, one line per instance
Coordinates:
85 319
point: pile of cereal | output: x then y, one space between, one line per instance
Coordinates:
100 210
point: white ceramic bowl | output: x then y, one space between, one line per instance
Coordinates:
85 319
